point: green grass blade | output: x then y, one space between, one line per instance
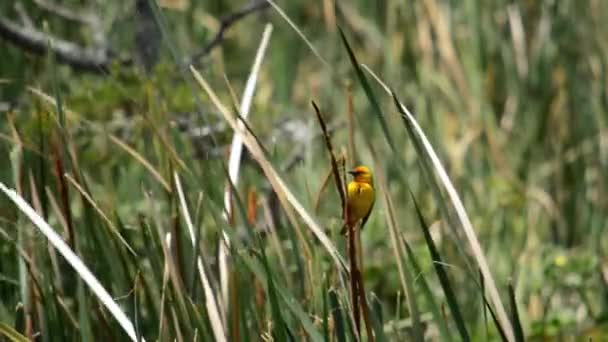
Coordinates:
377 318
443 276
281 330
487 306
11 333
286 296
428 294
325 310
517 329
84 318
368 91
405 274
429 156
336 312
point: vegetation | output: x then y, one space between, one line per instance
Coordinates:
485 124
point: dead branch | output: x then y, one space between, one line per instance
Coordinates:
40 43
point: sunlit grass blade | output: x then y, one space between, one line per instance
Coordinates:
212 302
450 295
11 333
236 150
426 152
113 230
487 306
368 91
74 261
142 160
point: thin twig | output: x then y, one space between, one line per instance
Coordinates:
334 162
225 23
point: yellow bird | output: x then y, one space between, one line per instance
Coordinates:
360 197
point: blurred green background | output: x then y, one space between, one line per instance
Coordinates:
512 95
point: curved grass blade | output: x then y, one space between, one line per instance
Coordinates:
486 304
443 276
74 261
426 152
425 149
236 150
368 91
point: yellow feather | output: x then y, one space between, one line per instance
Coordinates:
360 196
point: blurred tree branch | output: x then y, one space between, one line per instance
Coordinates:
225 23
34 41
27 37
97 59
80 17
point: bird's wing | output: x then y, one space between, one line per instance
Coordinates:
368 213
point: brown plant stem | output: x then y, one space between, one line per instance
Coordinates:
354 276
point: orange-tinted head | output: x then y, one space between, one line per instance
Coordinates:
362 174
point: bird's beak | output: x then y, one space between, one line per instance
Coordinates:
353 172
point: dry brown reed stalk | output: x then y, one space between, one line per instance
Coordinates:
356 280
334 162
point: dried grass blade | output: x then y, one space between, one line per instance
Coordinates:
275 180
74 261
